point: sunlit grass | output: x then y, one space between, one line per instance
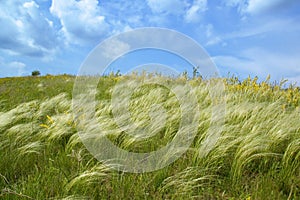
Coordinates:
256 157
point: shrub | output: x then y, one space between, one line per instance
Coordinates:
36 73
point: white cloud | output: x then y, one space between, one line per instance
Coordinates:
215 40
271 60
194 13
14 68
209 30
259 62
234 2
167 6
27 31
30 4
115 49
212 39
191 12
265 26
239 4
119 27
257 7
294 79
81 20
234 64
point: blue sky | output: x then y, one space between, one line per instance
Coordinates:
243 37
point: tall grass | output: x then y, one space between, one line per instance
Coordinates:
257 155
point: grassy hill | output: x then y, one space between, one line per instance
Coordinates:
257 155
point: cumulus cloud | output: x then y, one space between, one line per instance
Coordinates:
27 31
81 21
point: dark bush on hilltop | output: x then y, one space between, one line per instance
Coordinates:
36 73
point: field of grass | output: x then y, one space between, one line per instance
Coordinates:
42 156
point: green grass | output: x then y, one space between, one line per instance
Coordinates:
42 157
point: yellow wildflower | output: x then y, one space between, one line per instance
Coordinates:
50 119
44 126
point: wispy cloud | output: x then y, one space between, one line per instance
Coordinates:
167 6
196 10
261 63
258 7
13 68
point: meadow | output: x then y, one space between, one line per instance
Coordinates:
257 155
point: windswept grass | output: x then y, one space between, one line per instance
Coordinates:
42 156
